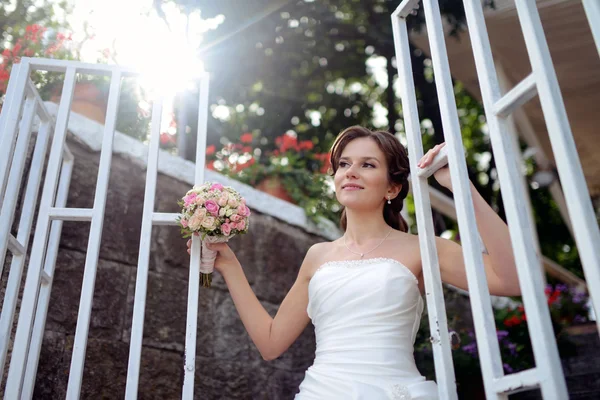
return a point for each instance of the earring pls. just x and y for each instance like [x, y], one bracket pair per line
[389, 201]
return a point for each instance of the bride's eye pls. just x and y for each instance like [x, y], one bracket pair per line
[368, 165]
[343, 164]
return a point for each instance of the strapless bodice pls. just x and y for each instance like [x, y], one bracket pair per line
[366, 315]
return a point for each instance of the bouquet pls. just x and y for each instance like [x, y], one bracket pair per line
[216, 213]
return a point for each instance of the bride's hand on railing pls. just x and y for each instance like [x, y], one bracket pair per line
[442, 175]
[226, 259]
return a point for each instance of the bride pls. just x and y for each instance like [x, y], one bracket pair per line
[363, 292]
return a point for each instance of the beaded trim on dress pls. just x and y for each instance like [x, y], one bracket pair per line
[363, 262]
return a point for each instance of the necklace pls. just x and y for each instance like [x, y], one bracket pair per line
[363, 254]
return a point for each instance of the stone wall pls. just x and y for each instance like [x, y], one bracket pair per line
[228, 364]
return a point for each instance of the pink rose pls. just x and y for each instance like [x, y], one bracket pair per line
[209, 223]
[241, 225]
[235, 218]
[233, 203]
[243, 210]
[199, 200]
[200, 213]
[189, 199]
[212, 207]
[184, 222]
[195, 222]
[216, 186]
[226, 229]
[223, 199]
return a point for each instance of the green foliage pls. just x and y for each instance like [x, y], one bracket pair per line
[294, 164]
[306, 66]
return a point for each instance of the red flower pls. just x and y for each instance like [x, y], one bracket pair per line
[306, 145]
[286, 143]
[247, 149]
[246, 164]
[512, 321]
[246, 138]
[17, 48]
[553, 297]
[210, 150]
[211, 165]
[165, 138]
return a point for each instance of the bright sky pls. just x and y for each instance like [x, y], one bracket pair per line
[165, 54]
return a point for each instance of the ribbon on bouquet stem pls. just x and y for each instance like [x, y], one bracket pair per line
[208, 257]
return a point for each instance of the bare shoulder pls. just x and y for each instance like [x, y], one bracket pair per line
[405, 247]
[317, 254]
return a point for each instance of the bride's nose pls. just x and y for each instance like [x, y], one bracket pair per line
[351, 172]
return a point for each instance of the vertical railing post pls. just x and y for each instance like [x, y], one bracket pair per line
[16, 267]
[34, 271]
[9, 202]
[592, 10]
[93, 250]
[444, 368]
[141, 282]
[518, 213]
[489, 350]
[194, 280]
[9, 118]
[43, 301]
[579, 204]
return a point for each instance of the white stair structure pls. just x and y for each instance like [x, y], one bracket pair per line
[22, 105]
[548, 374]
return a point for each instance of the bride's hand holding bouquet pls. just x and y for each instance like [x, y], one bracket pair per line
[216, 213]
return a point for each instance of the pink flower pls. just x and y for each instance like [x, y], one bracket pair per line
[216, 186]
[223, 199]
[241, 225]
[243, 210]
[189, 199]
[212, 207]
[233, 203]
[235, 217]
[184, 222]
[226, 229]
[195, 222]
[209, 223]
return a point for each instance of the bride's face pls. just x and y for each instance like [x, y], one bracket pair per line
[361, 180]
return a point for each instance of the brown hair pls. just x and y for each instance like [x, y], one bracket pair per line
[398, 169]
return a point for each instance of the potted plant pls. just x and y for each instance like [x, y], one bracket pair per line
[292, 171]
[568, 310]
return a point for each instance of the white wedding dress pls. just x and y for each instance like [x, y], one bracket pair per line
[366, 315]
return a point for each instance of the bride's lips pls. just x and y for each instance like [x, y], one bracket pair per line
[352, 186]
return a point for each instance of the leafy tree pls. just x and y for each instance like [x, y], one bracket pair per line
[16, 15]
[302, 65]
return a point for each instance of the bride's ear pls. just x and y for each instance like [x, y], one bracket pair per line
[394, 190]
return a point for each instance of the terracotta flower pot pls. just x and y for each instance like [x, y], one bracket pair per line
[274, 187]
[88, 101]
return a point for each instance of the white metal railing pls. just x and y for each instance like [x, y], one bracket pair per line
[22, 104]
[548, 374]
[436, 310]
[150, 218]
[15, 148]
[592, 10]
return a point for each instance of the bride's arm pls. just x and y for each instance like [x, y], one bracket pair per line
[272, 336]
[499, 262]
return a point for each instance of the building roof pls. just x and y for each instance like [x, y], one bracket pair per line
[577, 65]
